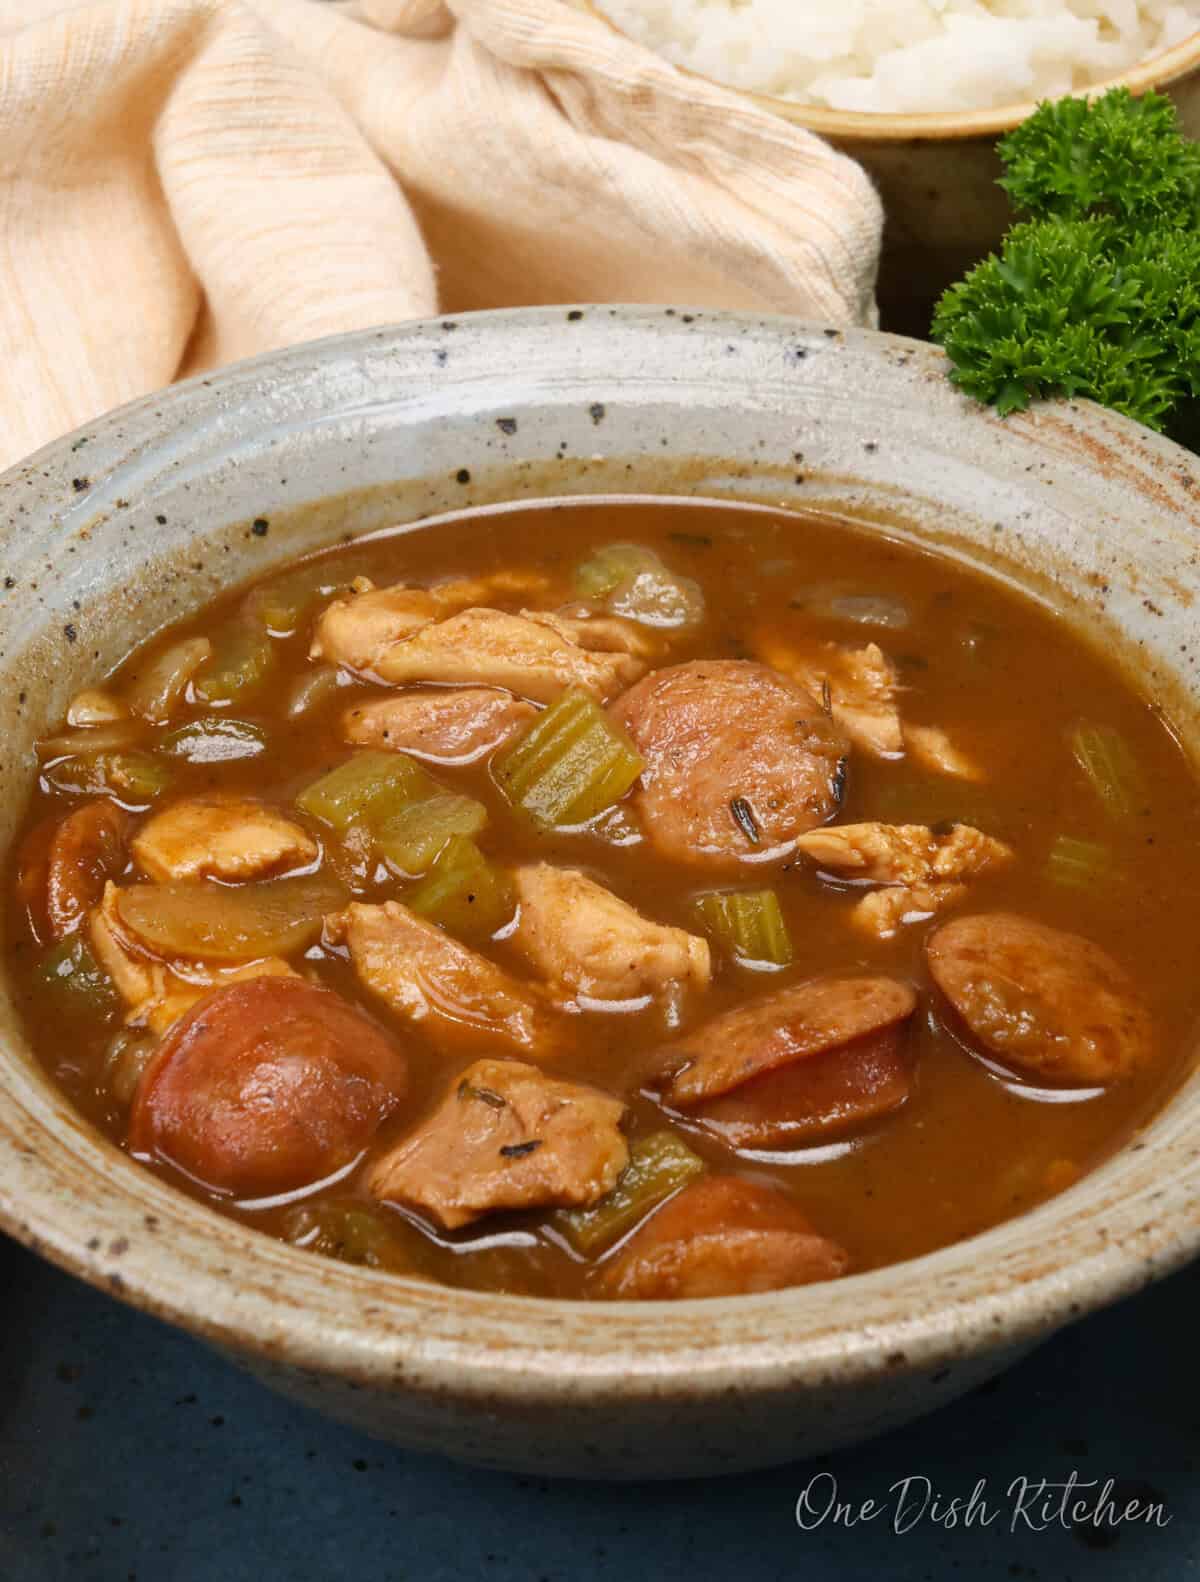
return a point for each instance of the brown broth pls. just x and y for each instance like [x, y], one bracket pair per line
[1005, 676]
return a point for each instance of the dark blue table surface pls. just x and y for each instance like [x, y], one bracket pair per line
[129, 1453]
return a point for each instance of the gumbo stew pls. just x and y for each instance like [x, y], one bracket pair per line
[614, 899]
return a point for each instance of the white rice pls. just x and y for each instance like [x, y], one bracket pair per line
[907, 55]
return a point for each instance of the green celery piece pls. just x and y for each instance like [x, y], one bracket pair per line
[214, 739]
[70, 974]
[612, 565]
[463, 892]
[748, 923]
[1113, 772]
[635, 583]
[134, 777]
[568, 764]
[353, 1233]
[281, 604]
[658, 1166]
[1079, 864]
[411, 839]
[367, 789]
[243, 656]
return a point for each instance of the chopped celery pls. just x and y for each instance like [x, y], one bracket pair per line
[135, 778]
[658, 1166]
[79, 985]
[353, 1233]
[1104, 756]
[609, 567]
[367, 789]
[242, 658]
[281, 605]
[463, 892]
[411, 839]
[634, 582]
[1079, 864]
[569, 764]
[749, 923]
[215, 739]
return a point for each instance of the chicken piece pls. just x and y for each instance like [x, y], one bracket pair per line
[794, 1024]
[721, 1236]
[441, 725]
[860, 684]
[739, 762]
[358, 630]
[220, 837]
[457, 998]
[588, 941]
[882, 913]
[506, 1136]
[929, 746]
[495, 649]
[157, 996]
[601, 634]
[1051, 1005]
[926, 869]
[903, 853]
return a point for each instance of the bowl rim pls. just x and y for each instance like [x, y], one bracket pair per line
[1157, 71]
[251, 1294]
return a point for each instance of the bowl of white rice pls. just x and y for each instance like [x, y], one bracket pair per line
[919, 90]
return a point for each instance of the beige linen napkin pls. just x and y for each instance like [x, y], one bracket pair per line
[186, 182]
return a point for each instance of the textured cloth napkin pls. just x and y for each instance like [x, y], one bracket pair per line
[186, 182]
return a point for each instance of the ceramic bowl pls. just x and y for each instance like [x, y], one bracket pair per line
[146, 513]
[936, 173]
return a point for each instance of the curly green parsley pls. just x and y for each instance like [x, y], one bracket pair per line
[1097, 293]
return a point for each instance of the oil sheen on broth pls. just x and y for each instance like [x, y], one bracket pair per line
[383, 1004]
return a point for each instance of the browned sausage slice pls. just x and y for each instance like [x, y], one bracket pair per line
[740, 761]
[721, 1236]
[266, 1086]
[1050, 1004]
[806, 1020]
[86, 850]
[822, 1097]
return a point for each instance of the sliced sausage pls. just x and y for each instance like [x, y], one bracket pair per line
[444, 725]
[796, 1024]
[721, 1236]
[818, 1098]
[1049, 1004]
[266, 1086]
[86, 850]
[740, 761]
[506, 1136]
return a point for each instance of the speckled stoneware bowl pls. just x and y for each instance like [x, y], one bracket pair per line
[936, 172]
[143, 515]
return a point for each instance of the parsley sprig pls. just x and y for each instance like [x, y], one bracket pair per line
[1097, 293]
